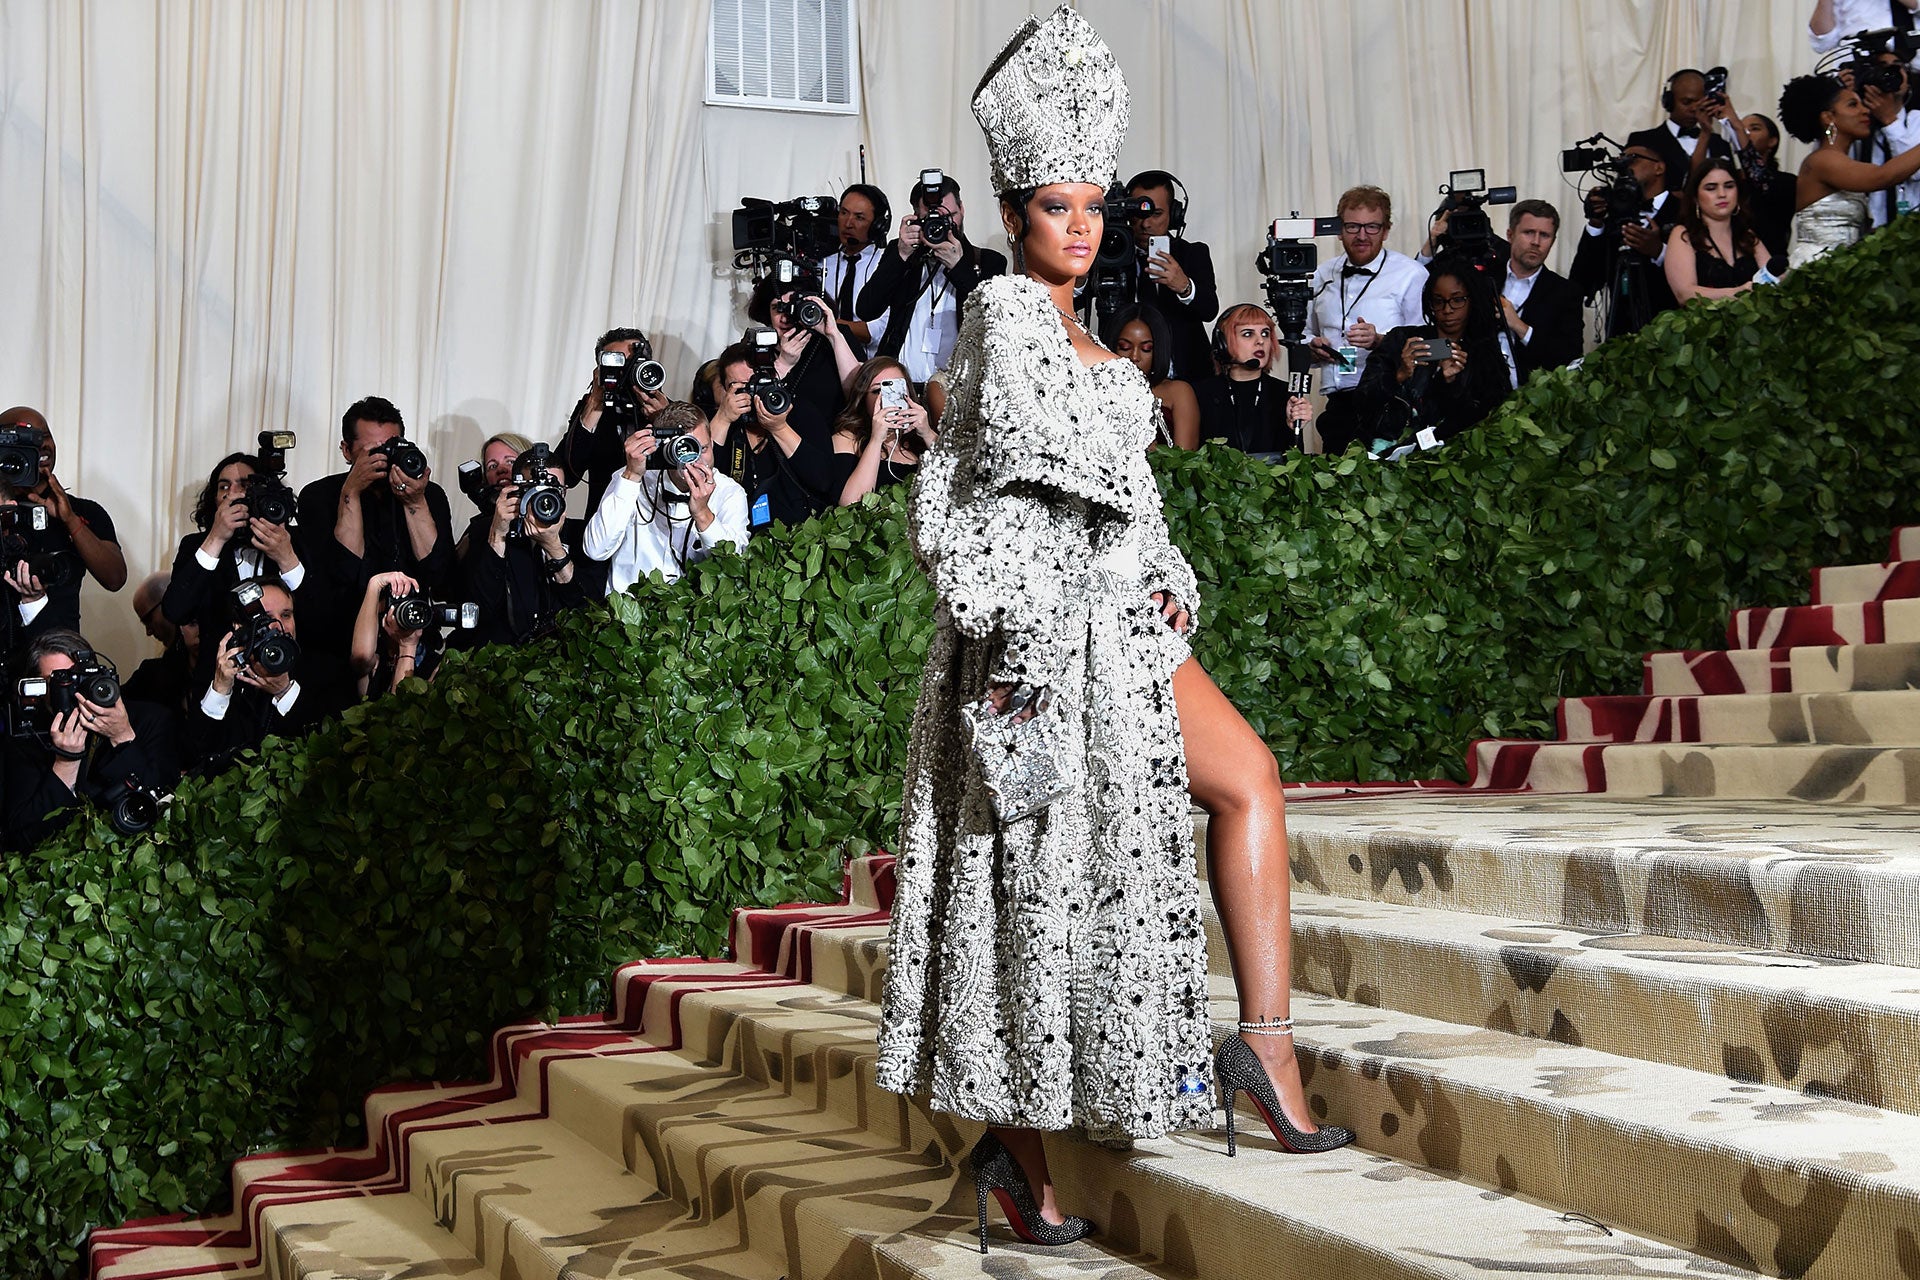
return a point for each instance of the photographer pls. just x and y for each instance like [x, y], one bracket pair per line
[1429, 382]
[862, 222]
[884, 429]
[1886, 91]
[231, 546]
[1177, 281]
[1541, 308]
[78, 536]
[660, 519]
[1242, 406]
[385, 651]
[788, 476]
[248, 701]
[922, 284]
[815, 361]
[1676, 141]
[1834, 20]
[167, 678]
[82, 753]
[384, 515]
[1357, 296]
[591, 448]
[1621, 253]
[521, 571]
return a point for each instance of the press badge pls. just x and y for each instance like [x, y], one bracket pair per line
[762, 513]
[1349, 359]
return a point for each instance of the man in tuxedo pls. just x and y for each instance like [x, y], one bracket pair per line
[1675, 140]
[1180, 282]
[243, 706]
[920, 285]
[1540, 307]
[1625, 261]
[1358, 297]
[865, 216]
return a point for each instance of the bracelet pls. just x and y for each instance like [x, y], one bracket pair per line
[555, 566]
[69, 755]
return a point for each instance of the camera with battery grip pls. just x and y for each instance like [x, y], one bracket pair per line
[543, 497]
[805, 305]
[763, 382]
[266, 495]
[41, 700]
[620, 380]
[266, 648]
[418, 611]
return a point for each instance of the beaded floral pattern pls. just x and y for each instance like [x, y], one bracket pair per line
[1050, 972]
[1053, 105]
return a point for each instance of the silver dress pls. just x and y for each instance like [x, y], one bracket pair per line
[1834, 221]
[1050, 972]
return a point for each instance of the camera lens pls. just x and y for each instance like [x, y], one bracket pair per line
[102, 689]
[135, 812]
[543, 504]
[772, 395]
[649, 375]
[412, 613]
[680, 451]
[274, 652]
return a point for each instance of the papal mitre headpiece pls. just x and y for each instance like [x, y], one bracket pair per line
[1053, 105]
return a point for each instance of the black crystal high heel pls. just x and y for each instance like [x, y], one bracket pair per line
[995, 1170]
[1239, 1068]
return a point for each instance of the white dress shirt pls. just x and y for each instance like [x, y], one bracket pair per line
[1517, 290]
[1850, 17]
[1894, 138]
[1688, 145]
[647, 524]
[933, 328]
[864, 262]
[1387, 300]
[251, 565]
[215, 703]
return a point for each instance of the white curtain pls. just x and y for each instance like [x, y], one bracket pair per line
[218, 216]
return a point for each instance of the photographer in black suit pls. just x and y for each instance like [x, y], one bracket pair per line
[244, 703]
[1622, 256]
[1180, 281]
[1540, 307]
[1676, 139]
[921, 285]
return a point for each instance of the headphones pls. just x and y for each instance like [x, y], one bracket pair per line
[1666, 94]
[1177, 215]
[1220, 356]
[882, 210]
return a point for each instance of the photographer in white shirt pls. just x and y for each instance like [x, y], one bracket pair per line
[665, 518]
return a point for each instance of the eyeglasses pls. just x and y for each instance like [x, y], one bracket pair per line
[1363, 228]
[1448, 304]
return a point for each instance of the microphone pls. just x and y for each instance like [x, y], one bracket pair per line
[1771, 272]
[1243, 364]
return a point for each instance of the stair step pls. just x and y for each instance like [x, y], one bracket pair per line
[1754, 1016]
[1853, 583]
[1865, 718]
[1905, 543]
[1834, 882]
[1811, 669]
[1759, 771]
[1795, 626]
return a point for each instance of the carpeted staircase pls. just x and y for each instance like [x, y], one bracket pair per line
[1639, 1031]
[1810, 702]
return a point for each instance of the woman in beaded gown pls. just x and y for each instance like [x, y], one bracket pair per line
[1049, 972]
[1831, 195]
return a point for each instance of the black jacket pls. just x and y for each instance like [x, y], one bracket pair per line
[38, 803]
[897, 283]
[325, 690]
[62, 609]
[518, 600]
[1553, 311]
[1192, 349]
[1249, 415]
[1660, 140]
[201, 595]
[344, 576]
[1396, 411]
[1637, 284]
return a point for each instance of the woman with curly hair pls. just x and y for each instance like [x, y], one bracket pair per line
[1712, 252]
[1831, 198]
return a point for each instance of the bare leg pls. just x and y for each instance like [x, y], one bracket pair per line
[1031, 1155]
[1234, 777]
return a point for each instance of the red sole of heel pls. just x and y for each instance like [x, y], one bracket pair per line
[1273, 1128]
[1014, 1220]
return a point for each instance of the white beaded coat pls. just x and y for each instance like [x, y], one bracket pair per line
[1050, 972]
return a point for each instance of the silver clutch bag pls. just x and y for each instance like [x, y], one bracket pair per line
[1019, 756]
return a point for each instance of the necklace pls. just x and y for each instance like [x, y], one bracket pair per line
[1072, 319]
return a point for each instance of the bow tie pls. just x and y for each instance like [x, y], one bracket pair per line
[1692, 131]
[1349, 271]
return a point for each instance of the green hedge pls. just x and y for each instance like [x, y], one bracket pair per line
[368, 905]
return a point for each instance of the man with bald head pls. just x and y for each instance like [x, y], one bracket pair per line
[1682, 133]
[78, 539]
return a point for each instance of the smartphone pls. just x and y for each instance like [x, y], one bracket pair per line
[893, 393]
[1439, 351]
[1160, 244]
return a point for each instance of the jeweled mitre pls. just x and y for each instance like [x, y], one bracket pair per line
[1053, 105]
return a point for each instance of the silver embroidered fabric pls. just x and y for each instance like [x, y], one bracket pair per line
[1053, 105]
[1049, 972]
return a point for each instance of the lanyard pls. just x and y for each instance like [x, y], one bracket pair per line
[1346, 309]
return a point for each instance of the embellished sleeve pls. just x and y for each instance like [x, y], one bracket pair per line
[1164, 566]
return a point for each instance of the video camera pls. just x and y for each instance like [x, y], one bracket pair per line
[44, 699]
[1859, 56]
[619, 380]
[1288, 263]
[806, 228]
[22, 450]
[403, 455]
[763, 384]
[1115, 261]
[1602, 156]
[267, 496]
[268, 649]
[1465, 200]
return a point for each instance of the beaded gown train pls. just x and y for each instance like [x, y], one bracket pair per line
[1051, 972]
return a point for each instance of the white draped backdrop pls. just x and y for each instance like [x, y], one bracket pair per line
[222, 215]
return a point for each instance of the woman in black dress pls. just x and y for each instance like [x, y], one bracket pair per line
[1712, 252]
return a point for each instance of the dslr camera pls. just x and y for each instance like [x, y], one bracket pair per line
[22, 450]
[1113, 262]
[268, 649]
[418, 611]
[618, 381]
[763, 384]
[55, 569]
[403, 455]
[1465, 198]
[267, 496]
[805, 309]
[936, 225]
[43, 699]
[132, 807]
[543, 499]
[1862, 59]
